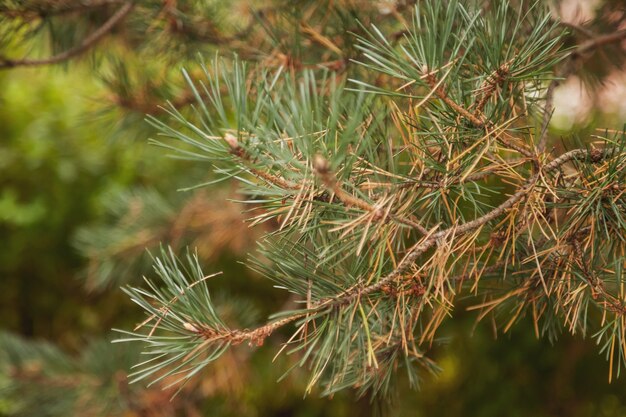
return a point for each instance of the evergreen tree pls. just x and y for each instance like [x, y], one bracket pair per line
[397, 165]
[382, 184]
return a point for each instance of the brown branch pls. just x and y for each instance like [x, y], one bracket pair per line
[486, 270]
[477, 176]
[86, 44]
[596, 284]
[411, 223]
[254, 337]
[547, 114]
[142, 102]
[41, 12]
[477, 120]
[519, 148]
[322, 169]
[206, 32]
[599, 41]
[577, 28]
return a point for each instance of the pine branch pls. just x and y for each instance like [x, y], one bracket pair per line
[51, 9]
[83, 47]
[490, 86]
[596, 285]
[377, 288]
[254, 337]
[257, 335]
[477, 119]
[434, 84]
[241, 153]
[322, 168]
[594, 156]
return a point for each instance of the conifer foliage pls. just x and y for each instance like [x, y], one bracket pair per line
[419, 177]
[394, 162]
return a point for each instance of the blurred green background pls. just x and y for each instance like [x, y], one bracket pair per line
[82, 193]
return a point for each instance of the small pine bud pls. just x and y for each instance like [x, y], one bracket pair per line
[232, 141]
[320, 164]
[191, 327]
[596, 155]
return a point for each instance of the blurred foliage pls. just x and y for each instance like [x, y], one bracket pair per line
[64, 180]
[77, 174]
[53, 169]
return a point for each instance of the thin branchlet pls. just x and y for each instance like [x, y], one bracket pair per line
[79, 49]
[239, 152]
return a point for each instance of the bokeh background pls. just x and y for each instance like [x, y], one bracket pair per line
[83, 194]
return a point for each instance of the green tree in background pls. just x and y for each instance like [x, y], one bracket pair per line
[394, 164]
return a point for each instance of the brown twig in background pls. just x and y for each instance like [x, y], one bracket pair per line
[547, 115]
[41, 12]
[144, 104]
[85, 45]
[599, 41]
[577, 28]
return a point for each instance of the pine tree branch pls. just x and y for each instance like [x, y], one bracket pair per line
[85, 45]
[596, 284]
[477, 119]
[241, 153]
[42, 12]
[547, 115]
[477, 176]
[490, 85]
[322, 168]
[431, 80]
[256, 336]
[373, 287]
[421, 247]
